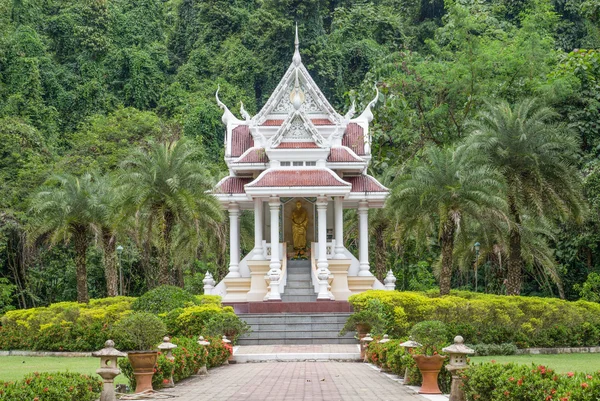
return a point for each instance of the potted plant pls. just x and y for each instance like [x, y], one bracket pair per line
[432, 335]
[140, 332]
[363, 322]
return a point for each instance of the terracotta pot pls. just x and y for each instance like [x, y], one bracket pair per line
[362, 330]
[430, 367]
[143, 363]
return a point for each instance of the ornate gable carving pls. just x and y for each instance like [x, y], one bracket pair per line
[297, 128]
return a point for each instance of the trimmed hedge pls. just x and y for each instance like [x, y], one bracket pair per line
[164, 299]
[189, 357]
[490, 319]
[511, 382]
[52, 387]
[70, 326]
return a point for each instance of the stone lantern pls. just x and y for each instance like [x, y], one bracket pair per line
[227, 341]
[203, 370]
[385, 339]
[390, 281]
[458, 363]
[108, 369]
[167, 347]
[409, 345]
[364, 344]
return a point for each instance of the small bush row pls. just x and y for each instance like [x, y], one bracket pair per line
[511, 382]
[488, 319]
[189, 358]
[70, 326]
[52, 387]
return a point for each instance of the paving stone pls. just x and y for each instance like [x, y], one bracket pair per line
[293, 381]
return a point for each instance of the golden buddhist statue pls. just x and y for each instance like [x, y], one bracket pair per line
[299, 225]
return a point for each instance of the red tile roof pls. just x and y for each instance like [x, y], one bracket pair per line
[297, 145]
[254, 155]
[241, 140]
[315, 121]
[271, 123]
[298, 178]
[354, 138]
[365, 183]
[232, 185]
[342, 155]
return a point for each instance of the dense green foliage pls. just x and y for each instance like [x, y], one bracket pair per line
[86, 85]
[164, 299]
[52, 387]
[493, 381]
[489, 319]
[71, 326]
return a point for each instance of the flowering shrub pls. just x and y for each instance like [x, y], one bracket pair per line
[189, 357]
[490, 319]
[511, 382]
[52, 387]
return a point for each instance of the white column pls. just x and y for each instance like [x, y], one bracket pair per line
[363, 227]
[275, 265]
[339, 227]
[234, 240]
[322, 264]
[258, 229]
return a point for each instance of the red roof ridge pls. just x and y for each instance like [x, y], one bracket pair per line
[343, 154]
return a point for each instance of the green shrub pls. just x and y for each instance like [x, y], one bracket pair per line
[494, 349]
[194, 320]
[228, 324]
[64, 326]
[163, 299]
[139, 331]
[491, 319]
[432, 334]
[52, 387]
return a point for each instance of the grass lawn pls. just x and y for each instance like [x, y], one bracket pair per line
[561, 363]
[16, 367]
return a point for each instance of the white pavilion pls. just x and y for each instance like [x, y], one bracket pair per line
[298, 152]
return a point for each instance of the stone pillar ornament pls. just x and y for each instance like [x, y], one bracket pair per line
[108, 369]
[203, 369]
[363, 238]
[458, 363]
[258, 229]
[209, 283]
[234, 240]
[322, 264]
[275, 265]
[226, 341]
[364, 344]
[167, 347]
[390, 281]
[339, 227]
[409, 345]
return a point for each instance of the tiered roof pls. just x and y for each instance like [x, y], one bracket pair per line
[298, 144]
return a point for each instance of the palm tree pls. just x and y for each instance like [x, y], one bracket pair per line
[170, 186]
[446, 188]
[107, 219]
[65, 209]
[537, 159]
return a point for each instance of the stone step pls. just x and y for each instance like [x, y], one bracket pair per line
[299, 298]
[279, 334]
[299, 291]
[298, 284]
[302, 308]
[296, 327]
[295, 318]
[299, 341]
[299, 277]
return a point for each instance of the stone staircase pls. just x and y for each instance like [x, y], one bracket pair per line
[296, 328]
[299, 287]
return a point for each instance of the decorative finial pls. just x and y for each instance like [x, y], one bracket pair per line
[297, 59]
[244, 113]
[367, 114]
[227, 115]
[351, 112]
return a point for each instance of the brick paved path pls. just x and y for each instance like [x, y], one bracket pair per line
[293, 381]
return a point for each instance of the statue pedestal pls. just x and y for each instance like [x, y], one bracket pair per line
[258, 285]
[339, 285]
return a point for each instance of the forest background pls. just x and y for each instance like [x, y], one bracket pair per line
[84, 84]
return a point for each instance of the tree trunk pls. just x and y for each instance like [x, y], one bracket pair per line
[447, 244]
[515, 261]
[380, 254]
[164, 259]
[110, 262]
[80, 239]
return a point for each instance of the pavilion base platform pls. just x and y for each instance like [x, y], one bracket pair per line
[290, 307]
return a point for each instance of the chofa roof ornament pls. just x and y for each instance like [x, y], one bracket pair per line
[297, 59]
[367, 114]
[227, 115]
[244, 113]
